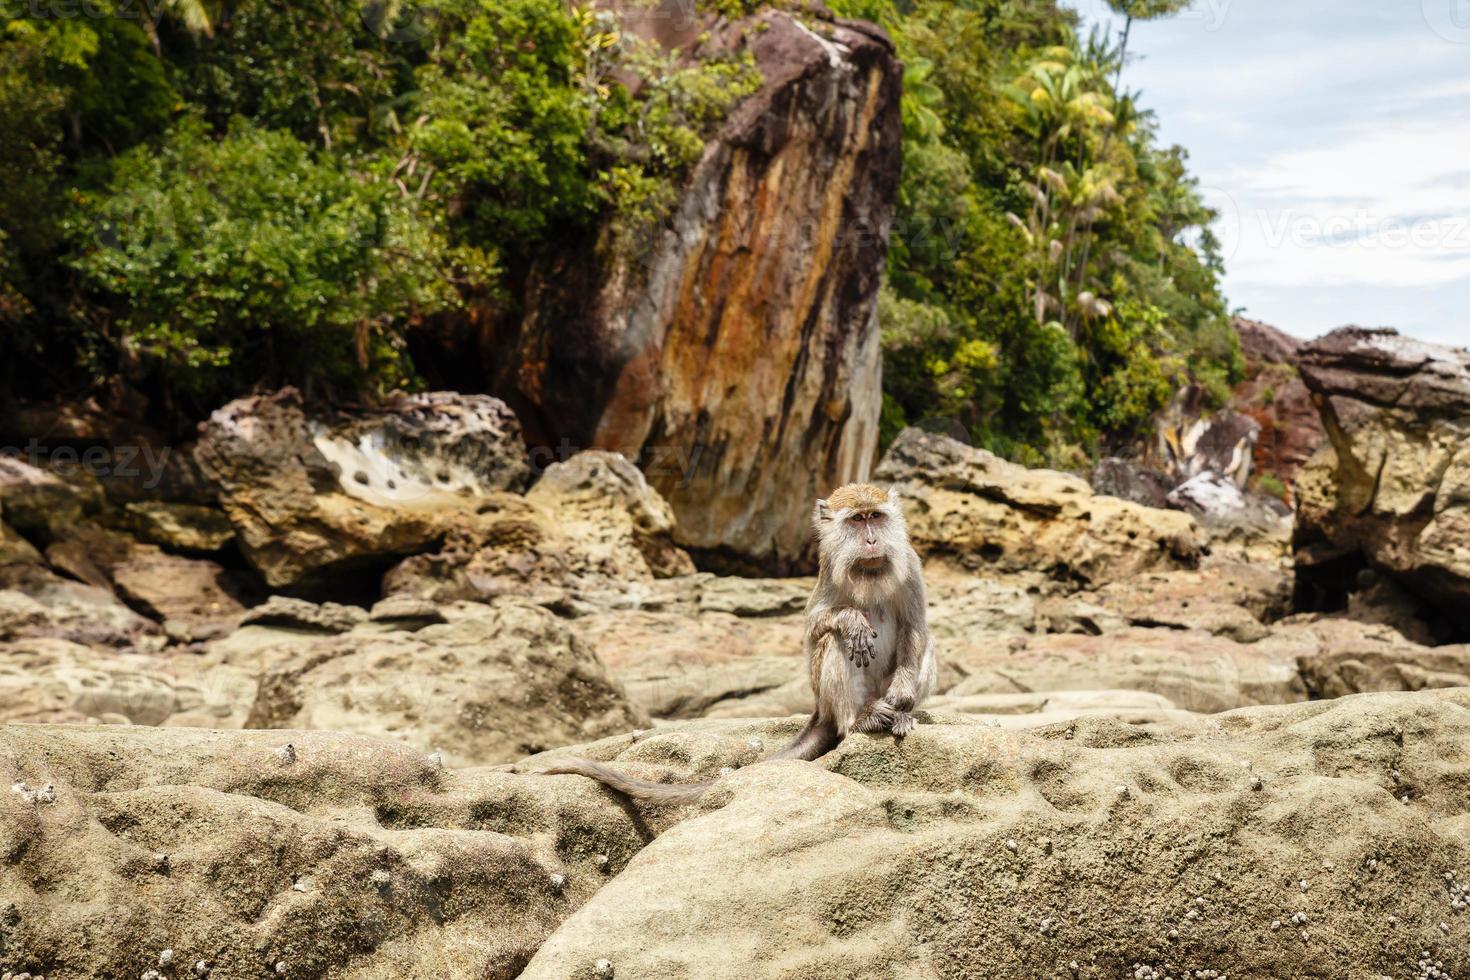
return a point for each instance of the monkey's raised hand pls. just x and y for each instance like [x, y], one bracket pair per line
[857, 636]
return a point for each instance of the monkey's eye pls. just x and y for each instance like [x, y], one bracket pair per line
[857, 518]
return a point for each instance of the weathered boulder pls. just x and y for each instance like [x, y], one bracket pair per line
[733, 351]
[602, 501]
[1192, 440]
[677, 666]
[342, 857]
[1320, 839]
[311, 496]
[1343, 657]
[38, 501]
[193, 598]
[1393, 487]
[975, 508]
[490, 687]
[1130, 479]
[1231, 599]
[35, 602]
[591, 532]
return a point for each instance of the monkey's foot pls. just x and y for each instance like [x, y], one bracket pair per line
[903, 723]
[878, 718]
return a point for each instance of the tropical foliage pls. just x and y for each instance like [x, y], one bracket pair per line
[1052, 276]
[243, 192]
[263, 192]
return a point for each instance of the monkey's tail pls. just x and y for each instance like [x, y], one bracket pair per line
[818, 738]
[639, 789]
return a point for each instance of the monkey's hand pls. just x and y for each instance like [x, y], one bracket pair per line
[857, 636]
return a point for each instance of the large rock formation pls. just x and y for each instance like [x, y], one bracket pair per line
[1392, 489]
[733, 352]
[973, 507]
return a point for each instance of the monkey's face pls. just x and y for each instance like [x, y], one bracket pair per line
[860, 530]
[870, 538]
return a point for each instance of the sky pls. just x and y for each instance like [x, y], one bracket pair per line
[1334, 138]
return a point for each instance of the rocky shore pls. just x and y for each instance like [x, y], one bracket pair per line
[255, 719]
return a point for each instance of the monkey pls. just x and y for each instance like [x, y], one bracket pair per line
[869, 653]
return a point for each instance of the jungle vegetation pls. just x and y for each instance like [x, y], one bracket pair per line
[203, 196]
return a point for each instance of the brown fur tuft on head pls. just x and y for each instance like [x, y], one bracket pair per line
[857, 496]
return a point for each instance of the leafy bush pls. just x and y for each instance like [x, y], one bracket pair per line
[250, 257]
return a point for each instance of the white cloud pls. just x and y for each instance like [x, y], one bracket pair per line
[1335, 137]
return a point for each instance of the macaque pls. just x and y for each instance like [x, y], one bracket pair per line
[868, 649]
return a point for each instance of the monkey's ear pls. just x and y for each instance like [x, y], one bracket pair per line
[821, 512]
[893, 496]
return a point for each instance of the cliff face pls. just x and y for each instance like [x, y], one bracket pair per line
[733, 352]
[1275, 397]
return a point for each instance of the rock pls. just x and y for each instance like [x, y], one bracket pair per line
[284, 612]
[1275, 397]
[16, 550]
[972, 507]
[1209, 495]
[1076, 614]
[1039, 708]
[754, 597]
[590, 533]
[489, 688]
[733, 350]
[1130, 480]
[604, 502]
[313, 496]
[1351, 659]
[193, 841]
[1196, 671]
[35, 500]
[429, 444]
[55, 681]
[683, 664]
[180, 526]
[963, 606]
[1234, 600]
[37, 603]
[193, 598]
[886, 855]
[406, 613]
[1192, 440]
[1392, 489]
